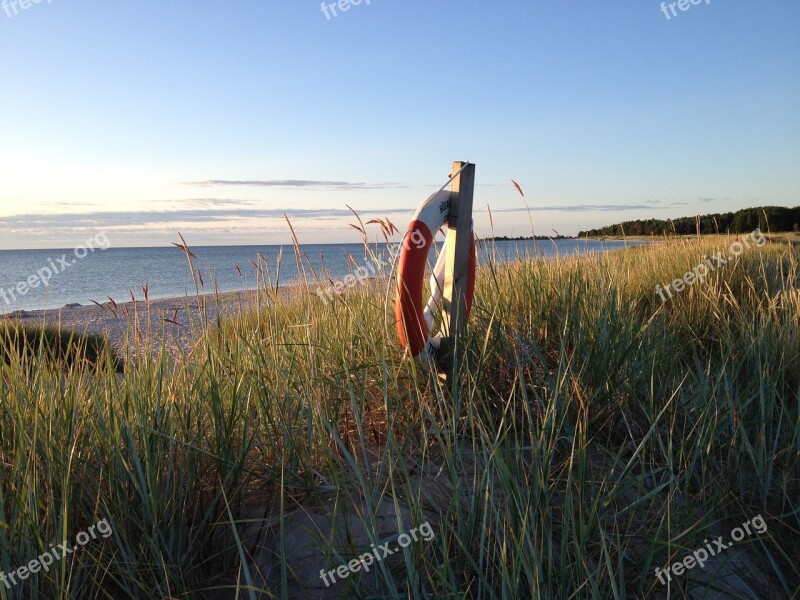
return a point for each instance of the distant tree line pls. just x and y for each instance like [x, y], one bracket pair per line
[772, 218]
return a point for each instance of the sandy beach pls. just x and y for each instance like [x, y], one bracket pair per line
[176, 321]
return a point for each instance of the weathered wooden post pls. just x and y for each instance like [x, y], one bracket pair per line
[457, 267]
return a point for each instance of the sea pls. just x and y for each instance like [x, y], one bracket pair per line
[51, 279]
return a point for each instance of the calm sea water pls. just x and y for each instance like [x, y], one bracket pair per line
[115, 272]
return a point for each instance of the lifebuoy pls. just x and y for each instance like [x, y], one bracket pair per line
[415, 320]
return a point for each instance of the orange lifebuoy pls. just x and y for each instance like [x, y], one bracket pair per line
[415, 320]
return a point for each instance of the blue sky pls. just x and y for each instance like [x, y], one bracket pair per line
[214, 119]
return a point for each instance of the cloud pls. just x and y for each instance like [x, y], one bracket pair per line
[219, 218]
[294, 183]
[218, 210]
[702, 199]
[579, 208]
[208, 202]
[144, 218]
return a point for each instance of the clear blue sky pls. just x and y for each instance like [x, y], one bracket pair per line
[144, 118]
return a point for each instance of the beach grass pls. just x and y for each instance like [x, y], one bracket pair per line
[26, 345]
[596, 433]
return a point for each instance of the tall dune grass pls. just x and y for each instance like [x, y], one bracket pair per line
[596, 434]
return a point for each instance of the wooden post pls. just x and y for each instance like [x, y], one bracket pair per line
[459, 242]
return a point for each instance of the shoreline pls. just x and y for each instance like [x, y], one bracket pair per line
[165, 319]
[175, 321]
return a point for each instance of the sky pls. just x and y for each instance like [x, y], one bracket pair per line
[144, 119]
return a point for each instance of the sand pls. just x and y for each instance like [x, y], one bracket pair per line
[178, 322]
